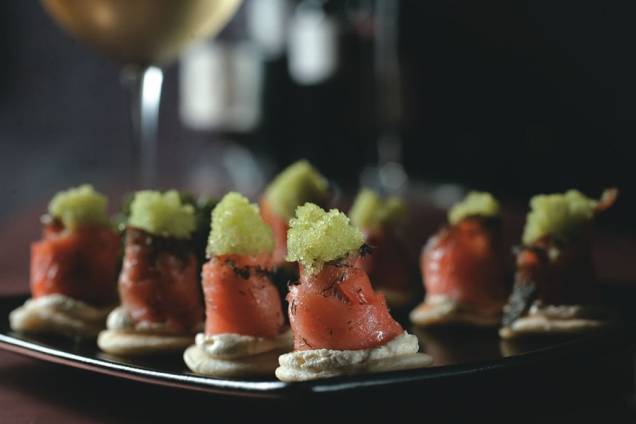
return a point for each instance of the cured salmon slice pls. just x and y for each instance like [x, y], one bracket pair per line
[337, 308]
[567, 280]
[465, 262]
[240, 297]
[279, 226]
[158, 282]
[389, 265]
[81, 263]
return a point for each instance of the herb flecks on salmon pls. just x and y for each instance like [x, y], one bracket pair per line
[334, 305]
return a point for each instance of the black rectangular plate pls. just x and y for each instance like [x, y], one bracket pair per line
[464, 358]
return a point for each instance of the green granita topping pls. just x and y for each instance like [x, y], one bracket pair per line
[316, 236]
[162, 214]
[560, 215]
[297, 184]
[370, 211]
[237, 228]
[78, 206]
[476, 203]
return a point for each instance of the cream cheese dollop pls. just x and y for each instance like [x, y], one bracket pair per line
[120, 320]
[230, 345]
[399, 353]
[58, 313]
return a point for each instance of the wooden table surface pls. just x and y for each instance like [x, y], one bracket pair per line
[32, 391]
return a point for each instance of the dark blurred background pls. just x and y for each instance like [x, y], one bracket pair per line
[513, 97]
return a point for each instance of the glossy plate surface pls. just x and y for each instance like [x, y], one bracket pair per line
[464, 356]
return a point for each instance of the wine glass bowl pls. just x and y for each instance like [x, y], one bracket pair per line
[141, 32]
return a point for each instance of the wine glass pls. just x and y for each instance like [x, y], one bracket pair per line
[142, 35]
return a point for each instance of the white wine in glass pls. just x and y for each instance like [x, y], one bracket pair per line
[141, 35]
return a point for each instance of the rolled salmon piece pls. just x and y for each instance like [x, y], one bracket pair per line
[245, 329]
[555, 288]
[387, 260]
[339, 323]
[336, 308]
[73, 272]
[463, 267]
[161, 304]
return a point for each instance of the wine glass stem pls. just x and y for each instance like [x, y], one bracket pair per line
[392, 174]
[144, 90]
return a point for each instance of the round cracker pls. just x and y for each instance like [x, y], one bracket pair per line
[262, 364]
[394, 363]
[128, 343]
[429, 314]
[33, 317]
[543, 325]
